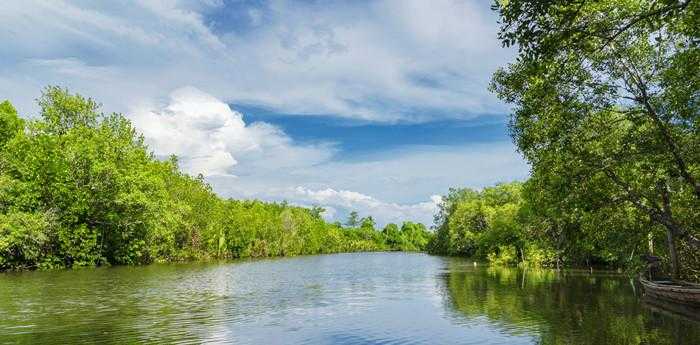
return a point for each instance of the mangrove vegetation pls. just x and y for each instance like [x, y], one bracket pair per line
[605, 98]
[78, 187]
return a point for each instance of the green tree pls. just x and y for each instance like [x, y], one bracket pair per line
[605, 93]
[10, 123]
[353, 220]
[62, 111]
[317, 211]
[485, 224]
[24, 238]
[368, 223]
[416, 236]
[394, 238]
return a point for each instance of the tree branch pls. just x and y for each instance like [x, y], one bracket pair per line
[644, 99]
[635, 21]
[662, 217]
[673, 147]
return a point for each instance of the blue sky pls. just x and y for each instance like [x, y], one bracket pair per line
[375, 106]
[357, 138]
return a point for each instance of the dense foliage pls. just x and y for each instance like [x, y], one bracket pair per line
[513, 224]
[605, 109]
[481, 224]
[80, 188]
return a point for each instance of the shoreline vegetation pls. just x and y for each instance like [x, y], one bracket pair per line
[604, 98]
[503, 225]
[80, 188]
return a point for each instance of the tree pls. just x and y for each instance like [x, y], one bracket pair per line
[482, 224]
[393, 236]
[443, 241]
[368, 223]
[62, 111]
[317, 211]
[415, 235]
[606, 93]
[353, 220]
[10, 123]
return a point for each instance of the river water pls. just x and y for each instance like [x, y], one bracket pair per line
[363, 298]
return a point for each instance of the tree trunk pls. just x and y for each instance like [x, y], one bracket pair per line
[662, 216]
[673, 255]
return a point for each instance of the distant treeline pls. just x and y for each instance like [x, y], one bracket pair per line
[80, 188]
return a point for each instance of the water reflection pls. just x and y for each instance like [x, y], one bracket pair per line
[378, 298]
[568, 307]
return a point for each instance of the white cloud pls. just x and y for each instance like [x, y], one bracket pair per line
[392, 186]
[260, 161]
[365, 205]
[210, 138]
[383, 61]
[407, 176]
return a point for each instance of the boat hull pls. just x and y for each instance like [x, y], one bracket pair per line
[686, 294]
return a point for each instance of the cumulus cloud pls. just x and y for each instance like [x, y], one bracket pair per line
[390, 186]
[406, 176]
[210, 138]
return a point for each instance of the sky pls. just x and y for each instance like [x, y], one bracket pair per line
[374, 106]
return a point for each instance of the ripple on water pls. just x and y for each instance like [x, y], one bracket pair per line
[370, 298]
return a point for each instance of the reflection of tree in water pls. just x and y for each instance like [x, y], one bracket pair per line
[123, 305]
[560, 308]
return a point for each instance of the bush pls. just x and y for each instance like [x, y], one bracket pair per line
[503, 255]
[25, 240]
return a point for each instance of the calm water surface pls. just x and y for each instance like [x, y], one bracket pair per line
[367, 298]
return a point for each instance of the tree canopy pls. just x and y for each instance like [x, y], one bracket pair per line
[605, 109]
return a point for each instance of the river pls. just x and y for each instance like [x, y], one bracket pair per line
[363, 298]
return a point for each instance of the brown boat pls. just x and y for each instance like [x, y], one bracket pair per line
[674, 291]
